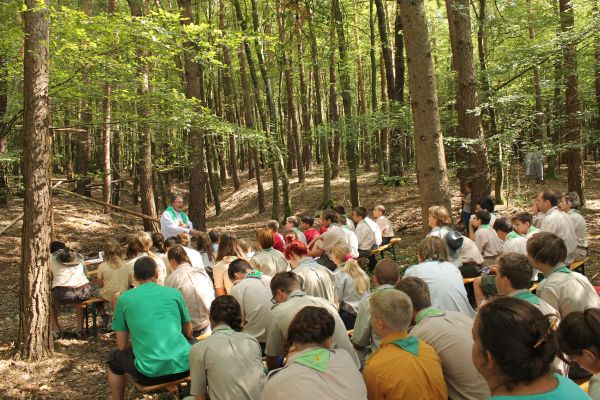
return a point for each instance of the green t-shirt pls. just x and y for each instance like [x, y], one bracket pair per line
[153, 315]
[566, 389]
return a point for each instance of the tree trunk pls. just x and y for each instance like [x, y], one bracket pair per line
[34, 340]
[596, 17]
[304, 99]
[116, 161]
[538, 128]
[362, 101]
[576, 182]
[469, 121]
[378, 148]
[334, 111]
[432, 175]
[4, 128]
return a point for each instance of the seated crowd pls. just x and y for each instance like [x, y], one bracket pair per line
[301, 302]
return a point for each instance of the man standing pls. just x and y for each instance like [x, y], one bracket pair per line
[174, 221]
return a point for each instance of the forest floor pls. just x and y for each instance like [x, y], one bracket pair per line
[78, 369]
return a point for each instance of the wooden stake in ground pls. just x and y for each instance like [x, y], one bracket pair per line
[34, 340]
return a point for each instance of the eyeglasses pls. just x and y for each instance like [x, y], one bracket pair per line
[273, 300]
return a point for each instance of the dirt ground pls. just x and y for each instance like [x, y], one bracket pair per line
[78, 369]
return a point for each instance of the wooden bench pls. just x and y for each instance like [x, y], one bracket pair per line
[173, 387]
[89, 309]
[350, 332]
[579, 266]
[203, 336]
[386, 247]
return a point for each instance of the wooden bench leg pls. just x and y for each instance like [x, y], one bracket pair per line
[94, 313]
[85, 316]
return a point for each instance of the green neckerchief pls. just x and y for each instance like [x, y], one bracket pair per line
[532, 229]
[428, 312]
[485, 226]
[528, 296]
[254, 274]
[512, 235]
[173, 214]
[316, 359]
[562, 268]
[226, 329]
[410, 344]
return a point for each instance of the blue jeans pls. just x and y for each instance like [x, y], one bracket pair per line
[466, 217]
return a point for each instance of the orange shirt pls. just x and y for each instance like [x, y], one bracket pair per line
[393, 373]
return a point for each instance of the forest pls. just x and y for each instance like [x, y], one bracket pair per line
[125, 101]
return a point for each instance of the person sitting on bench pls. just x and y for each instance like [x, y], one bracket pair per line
[113, 276]
[384, 224]
[158, 323]
[267, 259]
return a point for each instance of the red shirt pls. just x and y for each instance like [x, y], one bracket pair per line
[278, 242]
[310, 234]
[322, 230]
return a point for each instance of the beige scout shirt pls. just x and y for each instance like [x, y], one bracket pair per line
[488, 242]
[450, 335]
[567, 292]
[296, 381]
[197, 291]
[544, 307]
[254, 295]
[365, 235]
[269, 262]
[227, 365]
[385, 226]
[469, 253]
[316, 280]
[580, 233]
[347, 295]
[220, 276]
[281, 316]
[516, 245]
[115, 279]
[334, 235]
[561, 225]
[162, 269]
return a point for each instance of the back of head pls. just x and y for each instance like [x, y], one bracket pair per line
[112, 250]
[144, 268]
[343, 252]
[551, 196]
[330, 215]
[433, 248]
[380, 208]
[441, 215]
[214, 235]
[264, 238]
[56, 246]
[158, 241]
[516, 268]
[487, 204]
[178, 254]
[339, 209]
[238, 266]
[286, 281]
[203, 245]
[361, 212]
[386, 271]
[228, 246]
[520, 339]
[184, 239]
[578, 331]
[547, 248]
[392, 306]
[484, 216]
[226, 310]
[573, 199]
[244, 246]
[417, 290]
[502, 225]
[295, 221]
[311, 325]
[295, 248]
[169, 242]
[308, 220]
[273, 225]
[141, 242]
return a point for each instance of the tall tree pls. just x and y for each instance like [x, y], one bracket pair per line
[572, 128]
[106, 140]
[596, 16]
[538, 131]
[34, 340]
[469, 120]
[432, 175]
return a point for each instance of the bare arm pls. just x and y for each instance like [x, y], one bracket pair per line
[220, 291]
[187, 330]
[123, 340]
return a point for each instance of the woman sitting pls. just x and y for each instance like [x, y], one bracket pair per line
[228, 363]
[267, 259]
[579, 340]
[513, 349]
[312, 369]
[440, 223]
[113, 276]
[315, 279]
[228, 251]
[204, 247]
[139, 246]
[69, 283]
[351, 283]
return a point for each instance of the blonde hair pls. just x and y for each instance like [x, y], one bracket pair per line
[112, 253]
[184, 239]
[392, 306]
[441, 215]
[141, 242]
[343, 252]
[433, 248]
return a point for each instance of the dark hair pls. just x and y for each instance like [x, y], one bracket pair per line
[293, 220]
[238, 265]
[519, 337]
[226, 309]
[516, 268]
[502, 225]
[387, 272]
[56, 245]
[551, 196]
[144, 268]
[339, 209]
[310, 325]
[273, 225]
[469, 184]
[524, 217]
[484, 216]
[214, 235]
[175, 197]
[487, 204]
[547, 248]
[158, 241]
[329, 215]
[417, 290]
[308, 220]
[296, 248]
[361, 212]
[203, 244]
[177, 253]
[228, 246]
[67, 255]
[580, 330]
[286, 281]
[170, 242]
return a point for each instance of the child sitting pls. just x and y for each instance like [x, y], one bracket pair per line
[487, 241]
[113, 276]
[384, 224]
[306, 224]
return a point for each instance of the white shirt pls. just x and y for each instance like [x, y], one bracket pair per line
[385, 226]
[580, 228]
[445, 284]
[170, 227]
[161, 266]
[469, 252]
[373, 225]
[559, 223]
[365, 235]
